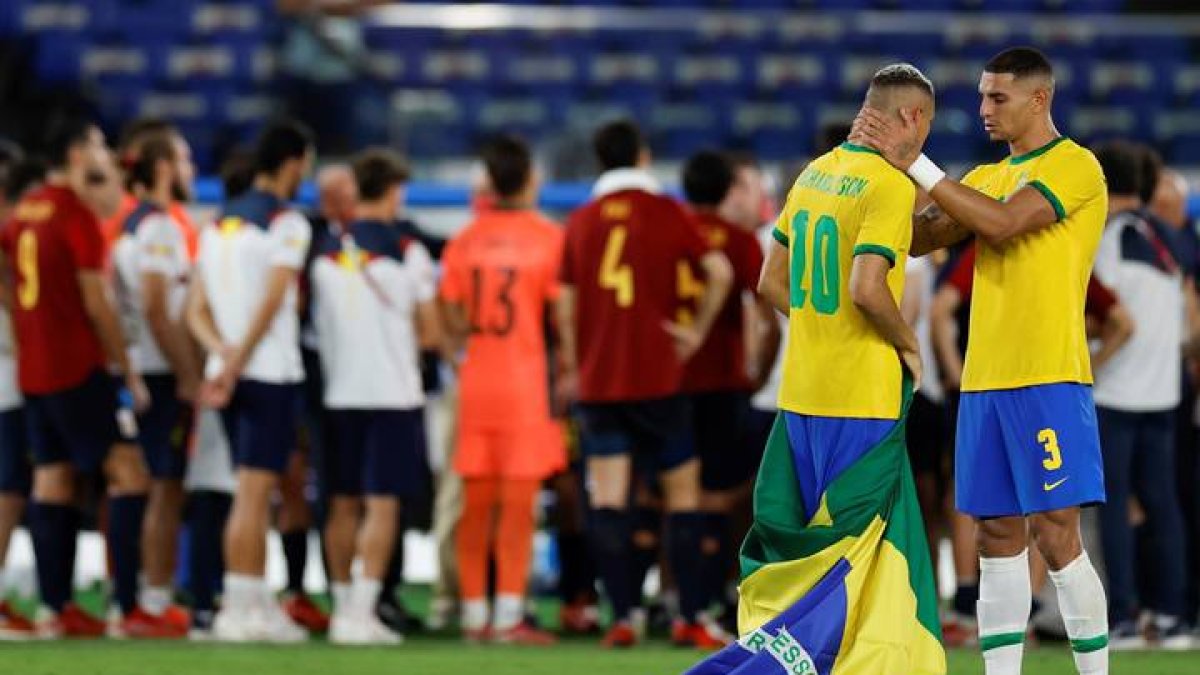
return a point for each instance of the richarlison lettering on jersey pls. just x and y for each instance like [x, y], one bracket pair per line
[830, 184]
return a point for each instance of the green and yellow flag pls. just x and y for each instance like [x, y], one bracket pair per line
[846, 590]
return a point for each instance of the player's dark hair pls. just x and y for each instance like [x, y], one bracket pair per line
[376, 170]
[1121, 162]
[618, 145]
[1020, 62]
[281, 141]
[707, 177]
[137, 130]
[901, 75]
[153, 149]
[509, 164]
[1152, 168]
[65, 133]
[237, 172]
[22, 176]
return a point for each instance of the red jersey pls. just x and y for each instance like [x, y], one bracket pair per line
[51, 238]
[504, 268]
[720, 364]
[626, 255]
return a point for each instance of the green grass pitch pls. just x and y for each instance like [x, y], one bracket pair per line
[446, 656]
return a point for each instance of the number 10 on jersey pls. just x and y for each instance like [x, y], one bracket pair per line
[826, 282]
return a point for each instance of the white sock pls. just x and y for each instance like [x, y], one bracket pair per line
[1005, 599]
[155, 599]
[341, 597]
[241, 592]
[474, 614]
[510, 611]
[1085, 613]
[363, 597]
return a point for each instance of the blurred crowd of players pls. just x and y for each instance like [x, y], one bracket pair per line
[274, 368]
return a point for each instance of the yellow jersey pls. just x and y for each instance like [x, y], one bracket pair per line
[1027, 325]
[847, 202]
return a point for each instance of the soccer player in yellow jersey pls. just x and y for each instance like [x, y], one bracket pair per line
[1028, 447]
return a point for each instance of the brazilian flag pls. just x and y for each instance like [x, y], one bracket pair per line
[847, 590]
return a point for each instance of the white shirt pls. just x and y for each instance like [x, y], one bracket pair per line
[10, 395]
[367, 285]
[1144, 375]
[921, 276]
[257, 235]
[152, 242]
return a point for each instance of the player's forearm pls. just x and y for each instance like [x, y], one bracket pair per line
[199, 318]
[770, 337]
[429, 327]
[277, 287]
[108, 328]
[718, 280]
[934, 230]
[880, 309]
[169, 336]
[564, 315]
[988, 218]
[1116, 331]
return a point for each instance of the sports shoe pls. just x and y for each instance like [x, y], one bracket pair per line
[619, 636]
[245, 626]
[442, 612]
[13, 625]
[524, 634]
[140, 624]
[701, 635]
[959, 630]
[202, 625]
[177, 616]
[304, 612]
[279, 627]
[579, 618]
[393, 615]
[1177, 636]
[369, 630]
[1125, 637]
[71, 622]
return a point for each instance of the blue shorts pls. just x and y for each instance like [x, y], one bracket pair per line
[1028, 450]
[657, 432]
[16, 469]
[164, 429]
[260, 423]
[378, 453]
[77, 425]
[824, 447]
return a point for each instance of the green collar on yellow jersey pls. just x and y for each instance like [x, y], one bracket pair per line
[851, 147]
[1036, 153]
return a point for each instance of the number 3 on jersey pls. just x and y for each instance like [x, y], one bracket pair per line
[826, 281]
[615, 275]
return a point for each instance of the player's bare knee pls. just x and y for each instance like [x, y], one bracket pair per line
[681, 487]
[1000, 537]
[54, 484]
[1057, 538]
[125, 469]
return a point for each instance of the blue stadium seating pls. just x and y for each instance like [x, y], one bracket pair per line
[763, 81]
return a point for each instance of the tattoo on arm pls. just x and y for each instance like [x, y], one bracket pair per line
[933, 229]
